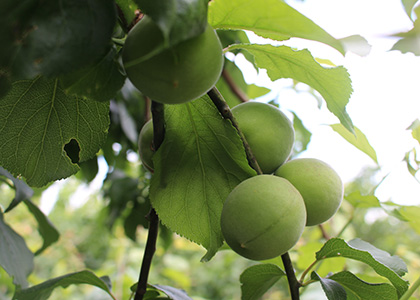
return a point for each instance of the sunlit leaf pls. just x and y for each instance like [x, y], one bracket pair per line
[44, 132]
[408, 7]
[275, 20]
[391, 267]
[258, 279]
[358, 289]
[357, 139]
[415, 129]
[333, 84]
[364, 201]
[199, 162]
[411, 214]
[409, 41]
[356, 44]
[15, 257]
[43, 290]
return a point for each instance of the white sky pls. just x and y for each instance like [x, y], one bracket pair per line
[385, 100]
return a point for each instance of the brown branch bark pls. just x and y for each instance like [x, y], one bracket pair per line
[234, 87]
[149, 251]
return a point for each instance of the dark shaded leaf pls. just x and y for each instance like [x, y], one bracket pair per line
[258, 279]
[332, 289]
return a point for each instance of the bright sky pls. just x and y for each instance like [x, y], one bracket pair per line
[385, 99]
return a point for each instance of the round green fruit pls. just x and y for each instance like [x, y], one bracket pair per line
[320, 186]
[263, 217]
[268, 131]
[178, 74]
[145, 143]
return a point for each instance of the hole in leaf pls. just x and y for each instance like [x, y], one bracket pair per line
[72, 150]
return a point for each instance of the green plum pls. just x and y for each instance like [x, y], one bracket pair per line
[268, 131]
[320, 186]
[263, 217]
[145, 143]
[177, 74]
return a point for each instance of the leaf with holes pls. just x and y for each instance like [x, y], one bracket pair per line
[38, 120]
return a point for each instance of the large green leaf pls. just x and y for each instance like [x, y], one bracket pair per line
[358, 289]
[258, 279]
[333, 84]
[15, 257]
[99, 82]
[274, 19]
[199, 162]
[38, 120]
[357, 139]
[391, 267]
[177, 19]
[64, 36]
[43, 290]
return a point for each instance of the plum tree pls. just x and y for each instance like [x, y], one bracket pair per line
[263, 217]
[320, 186]
[145, 144]
[177, 74]
[268, 131]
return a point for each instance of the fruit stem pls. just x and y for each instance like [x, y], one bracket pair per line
[224, 110]
[294, 284]
[149, 251]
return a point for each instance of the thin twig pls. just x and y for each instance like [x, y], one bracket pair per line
[234, 87]
[324, 232]
[224, 110]
[149, 251]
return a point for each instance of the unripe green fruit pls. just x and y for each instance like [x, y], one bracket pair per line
[179, 74]
[268, 131]
[320, 186]
[145, 143]
[263, 217]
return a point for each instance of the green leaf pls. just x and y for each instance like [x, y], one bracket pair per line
[411, 214]
[357, 139]
[415, 129]
[43, 290]
[171, 292]
[98, 82]
[409, 41]
[258, 279]
[333, 84]
[364, 201]
[408, 7]
[332, 289]
[37, 121]
[359, 289]
[275, 20]
[199, 162]
[22, 190]
[65, 36]
[45, 228]
[391, 267]
[15, 257]
[302, 135]
[179, 20]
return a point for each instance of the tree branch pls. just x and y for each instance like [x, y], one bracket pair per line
[234, 87]
[224, 110]
[149, 251]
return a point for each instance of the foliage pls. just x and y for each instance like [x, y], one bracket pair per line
[68, 111]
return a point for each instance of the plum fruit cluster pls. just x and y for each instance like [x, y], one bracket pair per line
[178, 74]
[264, 216]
